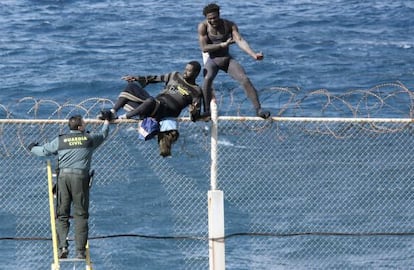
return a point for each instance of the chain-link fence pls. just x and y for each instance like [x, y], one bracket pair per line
[318, 194]
[300, 193]
[141, 203]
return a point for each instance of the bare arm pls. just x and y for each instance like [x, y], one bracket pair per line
[145, 80]
[242, 43]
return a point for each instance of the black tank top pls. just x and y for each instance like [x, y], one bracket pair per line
[178, 94]
[218, 38]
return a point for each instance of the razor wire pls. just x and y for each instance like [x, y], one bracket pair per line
[393, 100]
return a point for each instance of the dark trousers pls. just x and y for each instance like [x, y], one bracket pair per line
[73, 188]
[236, 71]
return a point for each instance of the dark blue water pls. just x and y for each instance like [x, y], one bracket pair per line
[69, 51]
[73, 50]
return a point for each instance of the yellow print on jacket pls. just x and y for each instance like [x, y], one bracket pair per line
[72, 141]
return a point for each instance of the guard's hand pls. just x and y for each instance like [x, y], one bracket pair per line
[33, 144]
[107, 115]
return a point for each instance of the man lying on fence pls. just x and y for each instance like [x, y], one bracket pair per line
[180, 91]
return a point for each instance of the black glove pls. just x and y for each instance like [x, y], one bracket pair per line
[33, 144]
[107, 115]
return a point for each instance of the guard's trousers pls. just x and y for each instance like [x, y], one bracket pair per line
[73, 188]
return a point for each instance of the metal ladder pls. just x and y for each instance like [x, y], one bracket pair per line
[56, 261]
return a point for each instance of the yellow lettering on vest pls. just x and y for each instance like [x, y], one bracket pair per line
[182, 91]
[75, 140]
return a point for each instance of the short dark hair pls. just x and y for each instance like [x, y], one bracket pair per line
[75, 122]
[213, 7]
[196, 65]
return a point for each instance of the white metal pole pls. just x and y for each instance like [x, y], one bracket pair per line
[215, 203]
[214, 139]
[216, 230]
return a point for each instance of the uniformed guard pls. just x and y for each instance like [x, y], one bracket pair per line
[74, 151]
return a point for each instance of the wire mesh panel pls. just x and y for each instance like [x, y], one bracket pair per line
[146, 211]
[317, 194]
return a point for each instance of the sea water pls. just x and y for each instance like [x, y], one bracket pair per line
[69, 51]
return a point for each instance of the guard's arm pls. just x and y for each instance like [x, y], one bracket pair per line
[105, 129]
[47, 149]
[99, 138]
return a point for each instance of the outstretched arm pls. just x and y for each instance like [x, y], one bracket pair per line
[145, 80]
[242, 43]
[47, 149]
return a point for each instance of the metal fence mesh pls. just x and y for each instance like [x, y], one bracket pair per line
[150, 199]
[299, 193]
[337, 199]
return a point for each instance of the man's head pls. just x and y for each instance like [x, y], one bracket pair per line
[210, 8]
[212, 14]
[76, 122]
[191, 71]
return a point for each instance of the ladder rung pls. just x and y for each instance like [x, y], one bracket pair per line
[72, 260]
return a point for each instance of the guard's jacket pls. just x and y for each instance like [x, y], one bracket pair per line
[74, 149]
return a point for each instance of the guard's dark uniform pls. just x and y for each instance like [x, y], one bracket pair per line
[74, 152]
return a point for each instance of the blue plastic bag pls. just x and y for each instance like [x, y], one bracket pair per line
[148, 128]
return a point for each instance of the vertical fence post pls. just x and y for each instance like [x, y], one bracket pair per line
[215, 203]
[214, 140]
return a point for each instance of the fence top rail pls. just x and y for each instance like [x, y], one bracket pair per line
[224, 118]
[319, 119]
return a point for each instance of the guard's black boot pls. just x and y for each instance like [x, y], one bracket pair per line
[81, 255]
[63, 253]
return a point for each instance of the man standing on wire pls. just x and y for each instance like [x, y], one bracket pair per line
[180, 91]
[74, 151]
[215, 36]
